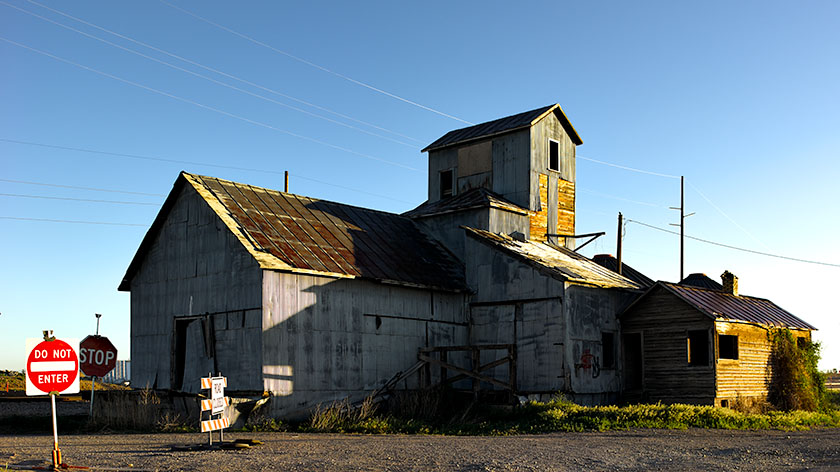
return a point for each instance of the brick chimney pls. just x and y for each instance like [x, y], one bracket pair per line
[730, 283]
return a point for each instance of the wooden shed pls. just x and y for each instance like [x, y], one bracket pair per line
[685, 344]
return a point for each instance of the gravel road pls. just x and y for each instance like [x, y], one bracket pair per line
[690, 450]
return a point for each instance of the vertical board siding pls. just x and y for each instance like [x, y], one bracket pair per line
[565, 207]
[320, 342]
[510, 167]
[664, 321]
[539, 217]
[589, 312]
[195, 266]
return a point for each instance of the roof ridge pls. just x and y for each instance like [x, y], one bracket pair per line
[297, 195]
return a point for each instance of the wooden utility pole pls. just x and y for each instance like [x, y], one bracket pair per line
[618, 240]
[683, 216]
[286, 187]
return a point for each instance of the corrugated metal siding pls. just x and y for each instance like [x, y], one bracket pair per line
[738, 308]
[320, 236]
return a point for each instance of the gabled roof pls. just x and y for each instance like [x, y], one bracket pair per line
[471, 199]
[292, 233]
[723, 306]
[504, 125]
[555, 261]
[700, 280]
[611, 263]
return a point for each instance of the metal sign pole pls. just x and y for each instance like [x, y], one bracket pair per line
[56, 454]
[92, 387]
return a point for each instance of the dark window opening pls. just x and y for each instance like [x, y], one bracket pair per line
[608, 348]
[554, 155]
[802, 343]
[698, 347]
[727, 346]
[446, 183]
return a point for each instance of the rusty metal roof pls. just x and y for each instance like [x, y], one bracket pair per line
[724, 306]
[504, 125]
[611, 263]
[555, 261]
[473, 198]
[701, 280]
[288, 232]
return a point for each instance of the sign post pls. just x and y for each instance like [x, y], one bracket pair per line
[97, 357]
[216, 405]
[52, 368]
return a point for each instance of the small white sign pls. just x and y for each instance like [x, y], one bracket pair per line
[217, 394]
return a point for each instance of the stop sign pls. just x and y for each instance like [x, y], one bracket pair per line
[52, 366]
[97, 356]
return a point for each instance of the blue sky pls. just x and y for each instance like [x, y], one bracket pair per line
[739, 97]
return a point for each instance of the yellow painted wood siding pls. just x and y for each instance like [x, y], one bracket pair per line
[748, 376]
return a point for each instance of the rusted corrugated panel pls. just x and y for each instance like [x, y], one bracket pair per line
[473, 198]
[701, 281]
[501, 125]
[611, 263]
[553, 260]
[331, 238]
[738, 307]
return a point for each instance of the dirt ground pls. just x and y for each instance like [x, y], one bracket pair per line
[691, 450]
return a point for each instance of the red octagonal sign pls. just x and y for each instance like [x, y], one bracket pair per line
[52, 366]
[97, 356]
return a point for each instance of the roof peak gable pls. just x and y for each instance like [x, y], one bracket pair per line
[504, 125]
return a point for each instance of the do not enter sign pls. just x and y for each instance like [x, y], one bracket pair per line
[97, 356]
[52, 366]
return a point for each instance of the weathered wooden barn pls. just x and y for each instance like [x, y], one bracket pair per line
[691, 344]
[314, 301]
[308, 300]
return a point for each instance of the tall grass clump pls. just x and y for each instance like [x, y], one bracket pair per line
[796, 382]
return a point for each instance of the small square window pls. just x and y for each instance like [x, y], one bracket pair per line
[727, 346]
[553, 155]
[446, 183]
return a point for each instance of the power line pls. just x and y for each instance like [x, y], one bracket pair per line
[178, 161]
[170, 54]
[70, 221]
[735, 247]
[632, 169]
[46, 197]
[210, 79]
[615, 197]
[75, 187]
[319, 67]
[207, 107]
[726, 216]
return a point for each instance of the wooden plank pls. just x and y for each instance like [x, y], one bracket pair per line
[468, 373]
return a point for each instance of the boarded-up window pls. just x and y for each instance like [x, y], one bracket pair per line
[553, 155]
[446, 183]
[608, 348]
[698, 347]
[727, 346]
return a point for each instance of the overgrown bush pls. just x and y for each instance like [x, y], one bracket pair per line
[796, 382]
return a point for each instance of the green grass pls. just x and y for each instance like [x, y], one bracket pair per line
[563, 416]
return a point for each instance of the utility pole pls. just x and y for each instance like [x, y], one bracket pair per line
[618, 240]
[683, 216]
